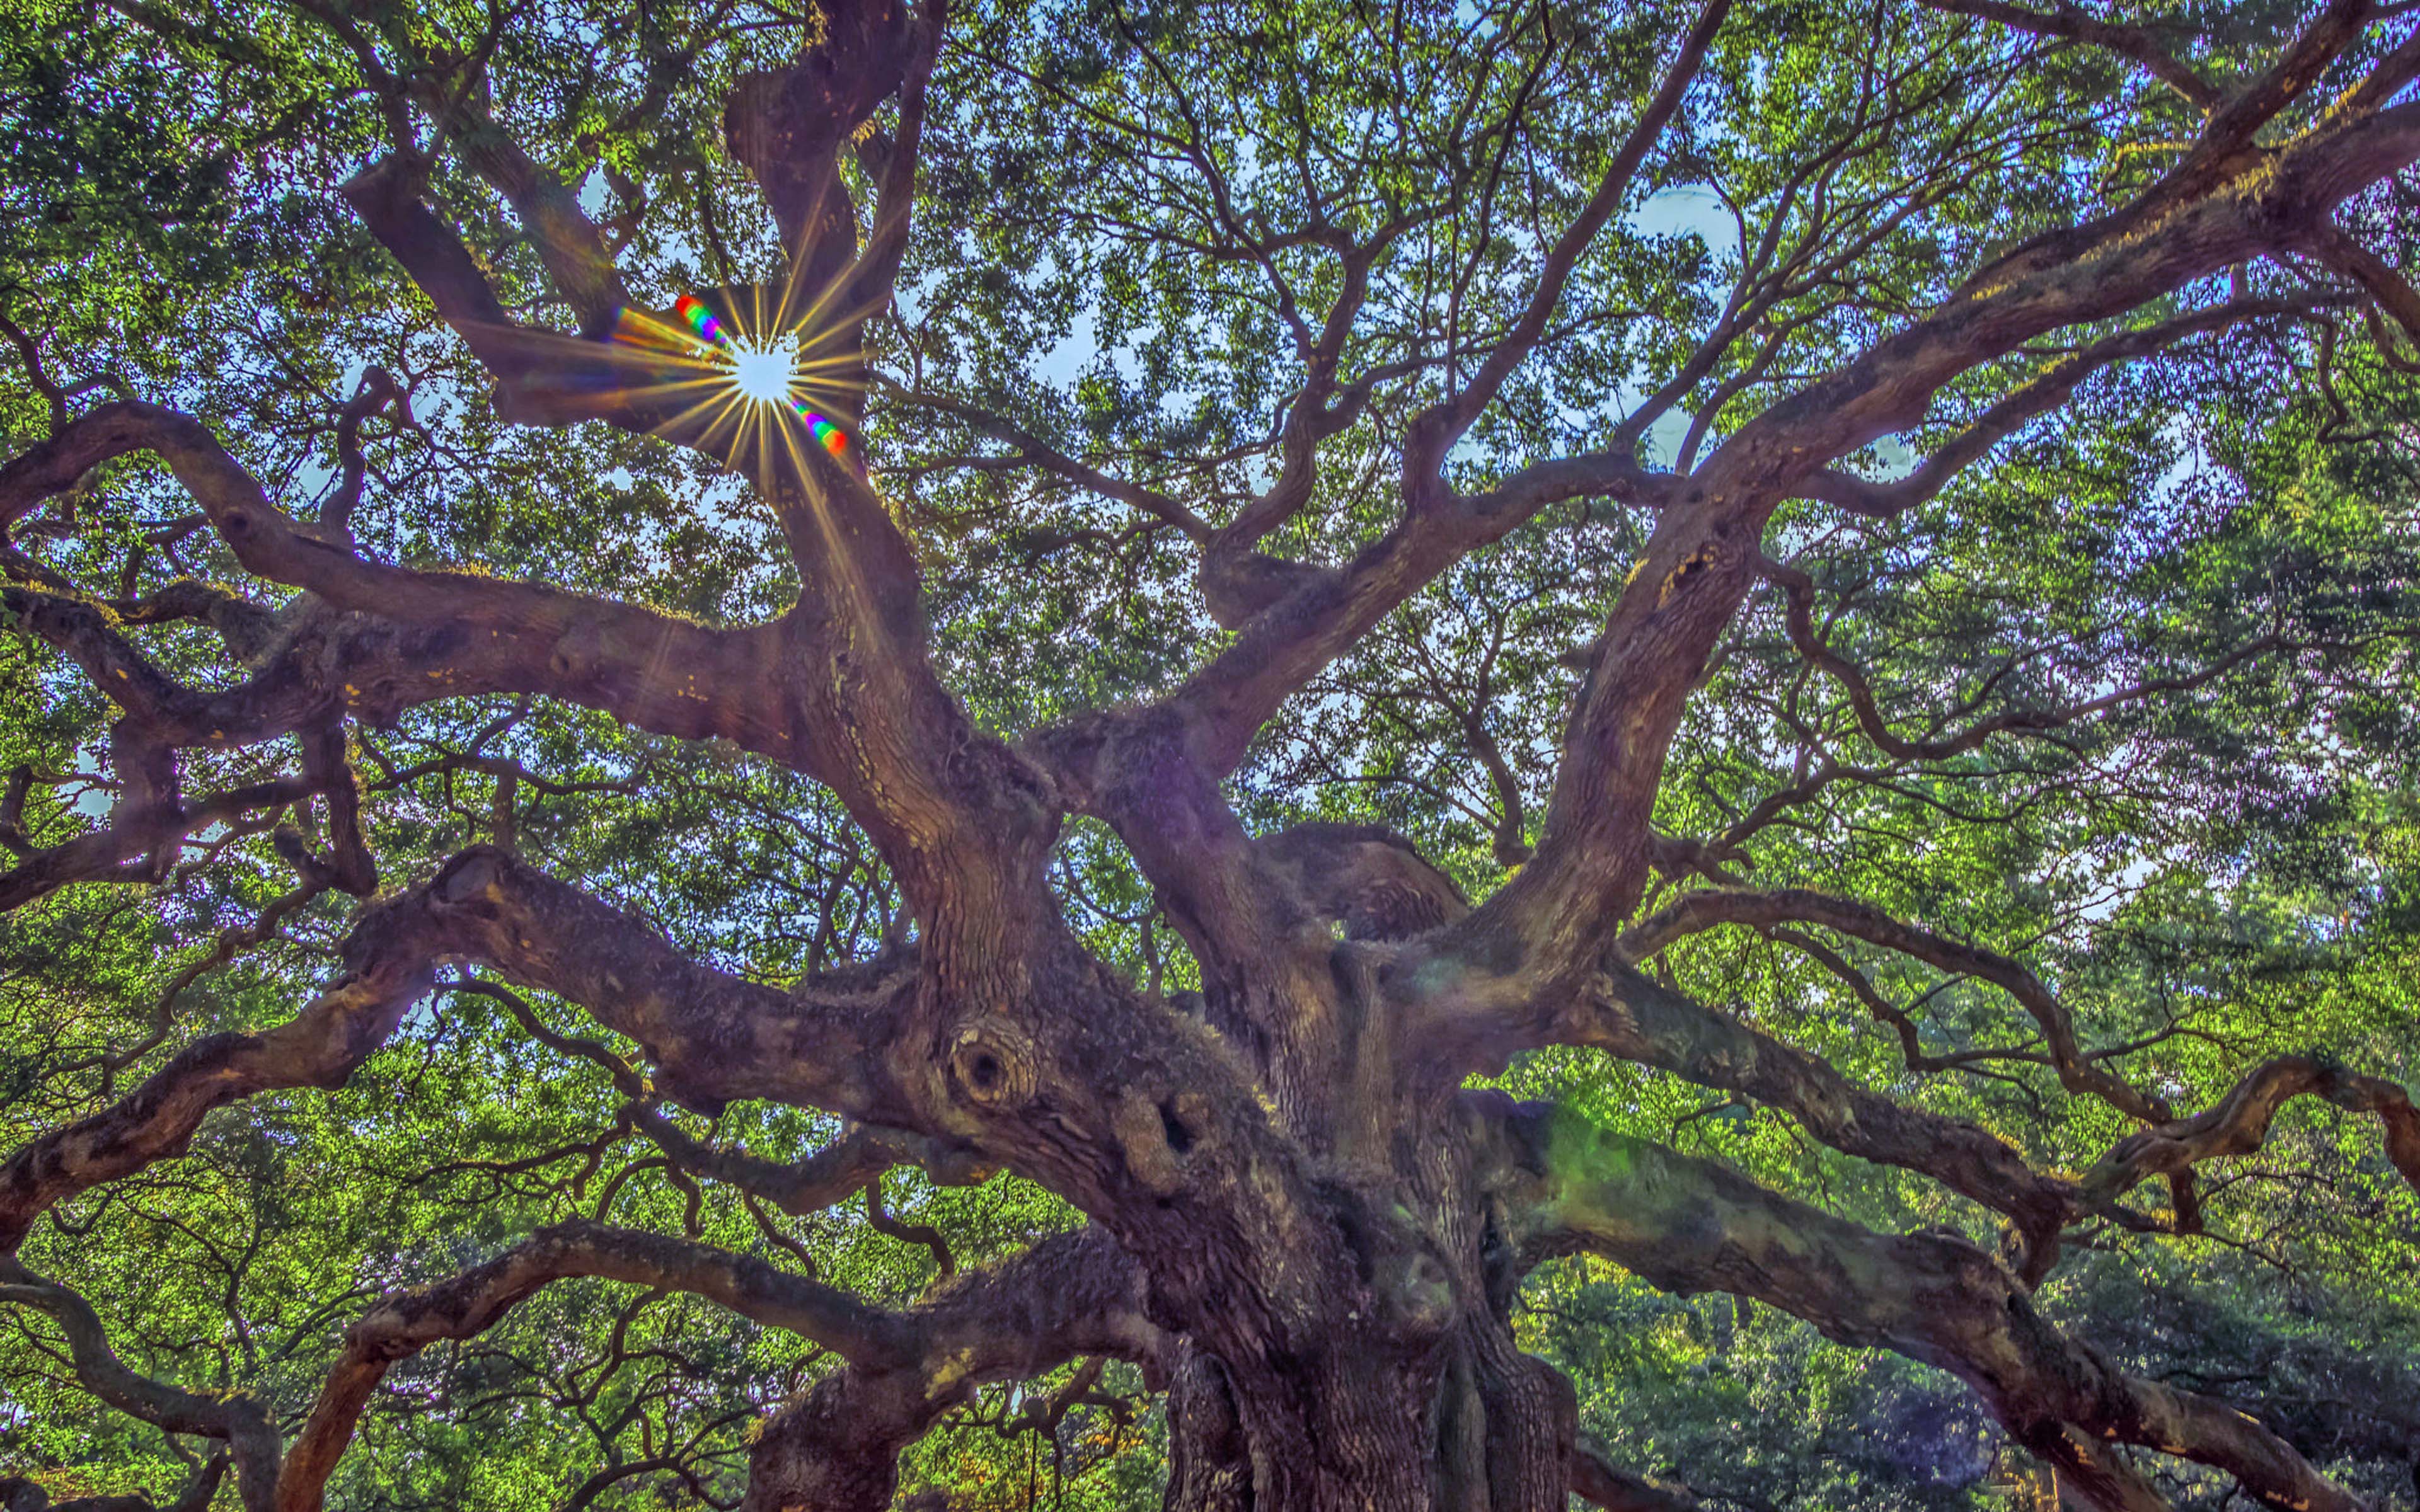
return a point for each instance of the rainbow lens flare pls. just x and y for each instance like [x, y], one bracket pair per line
[821, 429]
[697, 322]
[693, 313]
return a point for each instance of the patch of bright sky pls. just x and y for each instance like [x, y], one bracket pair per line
[1685, 210]
[1695, 209]
[1688, 209]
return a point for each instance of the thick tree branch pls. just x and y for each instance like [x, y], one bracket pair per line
[74, 447]
[875, 271]
[449, 634]
[404, 1323]
[247, 627]
[1596, 1478]
[570, 246]
[1632, 1017]
[714, 1038]
[542, 377]
[2225, 153]
[1690, 1225]
[1595, 850]
[387, 195]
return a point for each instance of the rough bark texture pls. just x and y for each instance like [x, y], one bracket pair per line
[1302, 1225]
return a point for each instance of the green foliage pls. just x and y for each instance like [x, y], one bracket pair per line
[2209, 878]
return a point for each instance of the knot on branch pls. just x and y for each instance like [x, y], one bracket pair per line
[577, 653]
[992, 1061]
[1157, 1135]
[472, 880]
[1701, 566]
[1237, 585]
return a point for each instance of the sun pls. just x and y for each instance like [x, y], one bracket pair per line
[747, 383]
[764, 372]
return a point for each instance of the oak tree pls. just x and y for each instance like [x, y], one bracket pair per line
[739, 733]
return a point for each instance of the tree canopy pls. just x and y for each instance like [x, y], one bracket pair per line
[1295, 755]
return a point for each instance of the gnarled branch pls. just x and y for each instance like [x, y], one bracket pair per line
[461, 1308]
[836, 1448]
[1690, 1224]
[2238, 1122]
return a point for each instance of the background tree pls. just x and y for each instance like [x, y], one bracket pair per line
[1397, 688]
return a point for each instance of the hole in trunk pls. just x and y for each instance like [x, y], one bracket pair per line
[1180, 1138]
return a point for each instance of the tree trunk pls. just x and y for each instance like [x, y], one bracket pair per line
[1475, 1426]
[1409, 1392]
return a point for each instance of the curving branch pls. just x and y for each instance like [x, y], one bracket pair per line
[880, 1219]
[836, 1448]
[1040, 451]
[141, 840]
[2078, 1071]
[2036, 396]
[404, 1323]
[1321, 409]
[239, 1421]
[2239, 1123]
[2373, 274]
[1688, 1225]
[714, 1038]
[840, 1170]
[1799, 590]
[376, 392]
[74, 447]
[387, 967]
[2070, 22]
